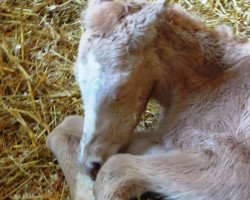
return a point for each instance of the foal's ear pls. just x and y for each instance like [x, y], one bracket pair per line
[101, 16]
[142, 23]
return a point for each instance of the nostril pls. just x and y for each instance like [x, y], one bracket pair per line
[95, 169]
[96, 165]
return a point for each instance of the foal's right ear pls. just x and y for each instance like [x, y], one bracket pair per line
[142, 23]
[96, 2]
[102, 16]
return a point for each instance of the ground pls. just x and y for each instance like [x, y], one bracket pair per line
[38, 46]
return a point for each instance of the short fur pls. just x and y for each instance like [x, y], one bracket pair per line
[200, 76]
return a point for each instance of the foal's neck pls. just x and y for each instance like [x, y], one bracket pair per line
[191, 55]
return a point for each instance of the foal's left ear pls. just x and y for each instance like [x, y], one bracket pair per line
[142, 23]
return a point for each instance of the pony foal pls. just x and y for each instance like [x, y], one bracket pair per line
[133, 52]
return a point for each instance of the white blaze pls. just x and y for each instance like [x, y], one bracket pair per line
[88, 75]
[96, 83]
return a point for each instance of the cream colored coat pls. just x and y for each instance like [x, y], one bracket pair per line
[134, 52]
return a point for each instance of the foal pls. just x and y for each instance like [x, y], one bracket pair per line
[133, 52]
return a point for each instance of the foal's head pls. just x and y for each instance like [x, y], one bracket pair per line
[114, 72]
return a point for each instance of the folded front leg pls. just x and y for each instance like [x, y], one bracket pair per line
[63, 141]
[179, 176]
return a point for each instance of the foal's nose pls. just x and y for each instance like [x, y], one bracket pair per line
[91, 166]
[95, 167]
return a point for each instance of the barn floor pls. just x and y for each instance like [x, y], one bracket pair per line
[38, 44]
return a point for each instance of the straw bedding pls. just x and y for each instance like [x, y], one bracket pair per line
[38, 45]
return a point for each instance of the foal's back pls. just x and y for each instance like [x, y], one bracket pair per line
[211, 102]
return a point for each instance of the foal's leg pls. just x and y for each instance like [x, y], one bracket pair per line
[146, 143]
[178, 175]
[63, 141]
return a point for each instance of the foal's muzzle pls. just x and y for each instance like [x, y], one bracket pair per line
[90, 165]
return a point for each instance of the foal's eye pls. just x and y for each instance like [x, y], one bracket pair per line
[121, 97]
